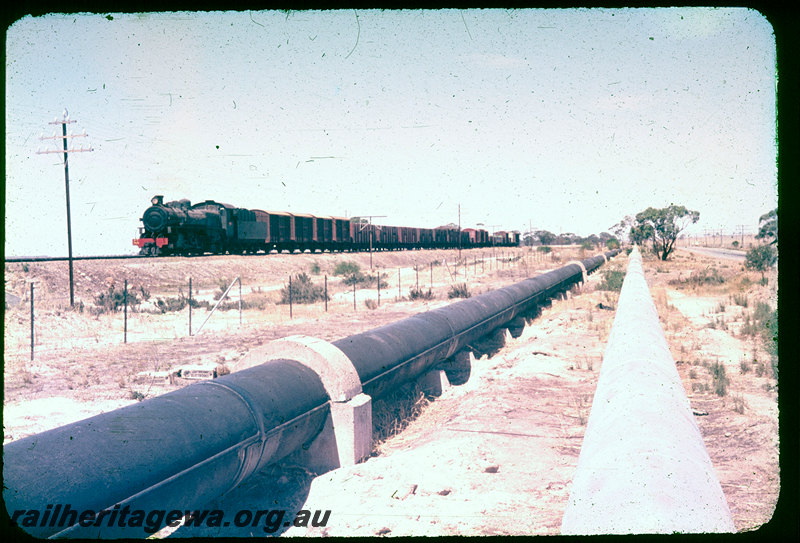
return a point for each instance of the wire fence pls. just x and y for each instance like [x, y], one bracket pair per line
[124, 316]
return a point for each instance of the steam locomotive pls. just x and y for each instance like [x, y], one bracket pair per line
[180, 228]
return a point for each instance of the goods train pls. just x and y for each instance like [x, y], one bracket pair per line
[180, 228]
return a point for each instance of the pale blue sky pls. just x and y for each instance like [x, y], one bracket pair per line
[568, 119]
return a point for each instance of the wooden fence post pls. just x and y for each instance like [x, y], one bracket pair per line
[31, 320]
[125, 302]
[190, 306]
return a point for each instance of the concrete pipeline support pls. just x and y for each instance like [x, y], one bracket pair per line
[178, 451]
[643, 466]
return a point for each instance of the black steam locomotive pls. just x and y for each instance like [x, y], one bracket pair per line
[180, 228]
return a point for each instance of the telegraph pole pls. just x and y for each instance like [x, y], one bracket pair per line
[65, 120]
[459, 231]
[371, 231]
[741, 228]
[494, 229]
[530, 234]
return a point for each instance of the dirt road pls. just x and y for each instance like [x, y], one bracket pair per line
[729, 254]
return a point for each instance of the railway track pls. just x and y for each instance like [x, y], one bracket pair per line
[152, 257]
[74, 258]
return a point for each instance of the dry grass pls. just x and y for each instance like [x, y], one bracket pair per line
[739, 403]
[582, 405]
[392, 413]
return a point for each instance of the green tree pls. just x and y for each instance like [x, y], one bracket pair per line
[622, 228]
[593, 240]
[768, 226]
[662, 226]
[528, 239]
[640, 233]
[568, 238]
[545, 237]
[761, 258]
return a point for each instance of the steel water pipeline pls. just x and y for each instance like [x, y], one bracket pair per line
[184, 448]
[595, 262]
[175, 451]
[388, 356]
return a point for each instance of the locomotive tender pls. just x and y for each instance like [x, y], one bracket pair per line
[180, 228]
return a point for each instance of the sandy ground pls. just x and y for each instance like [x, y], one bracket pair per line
[494, 455]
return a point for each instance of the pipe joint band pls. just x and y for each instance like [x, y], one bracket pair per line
[249, 455]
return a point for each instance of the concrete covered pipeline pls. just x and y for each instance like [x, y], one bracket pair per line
[643, 466]
[180, 450]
